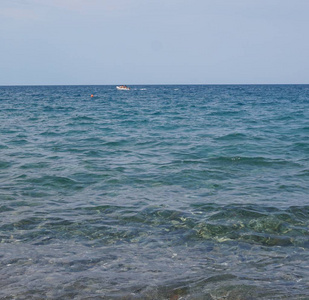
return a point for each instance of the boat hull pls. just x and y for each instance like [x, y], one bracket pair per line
[120, 88]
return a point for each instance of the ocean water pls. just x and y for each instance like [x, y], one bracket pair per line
[160, 192]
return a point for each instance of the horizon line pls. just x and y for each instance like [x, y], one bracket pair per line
[152, 84]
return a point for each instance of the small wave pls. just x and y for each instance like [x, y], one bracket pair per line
[303, 173]
[301, 146]
[4, 208]
[50, 133]
[5, 164]
[55, 182]
[257, 161]
[83, 118]
[18, 142]
[37, 165]
[116, 143]
[232, 136]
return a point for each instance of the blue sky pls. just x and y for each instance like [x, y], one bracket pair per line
[154, 42]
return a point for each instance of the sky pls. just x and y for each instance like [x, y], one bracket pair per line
[51, 42]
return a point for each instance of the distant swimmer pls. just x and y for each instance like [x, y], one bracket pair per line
[91, 96]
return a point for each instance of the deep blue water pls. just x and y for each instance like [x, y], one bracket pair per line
[160, 192]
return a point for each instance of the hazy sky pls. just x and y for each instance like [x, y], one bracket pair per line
[154, 41]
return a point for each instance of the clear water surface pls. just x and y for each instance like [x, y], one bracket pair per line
[160, 192]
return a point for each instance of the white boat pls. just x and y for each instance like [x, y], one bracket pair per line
[122, 88]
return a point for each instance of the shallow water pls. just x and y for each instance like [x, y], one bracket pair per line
[160, 192]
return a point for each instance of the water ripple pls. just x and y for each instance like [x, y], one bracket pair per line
[165, 192]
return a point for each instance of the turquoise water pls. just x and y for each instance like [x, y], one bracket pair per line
[160, 192]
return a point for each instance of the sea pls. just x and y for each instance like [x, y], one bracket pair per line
[160, 192]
